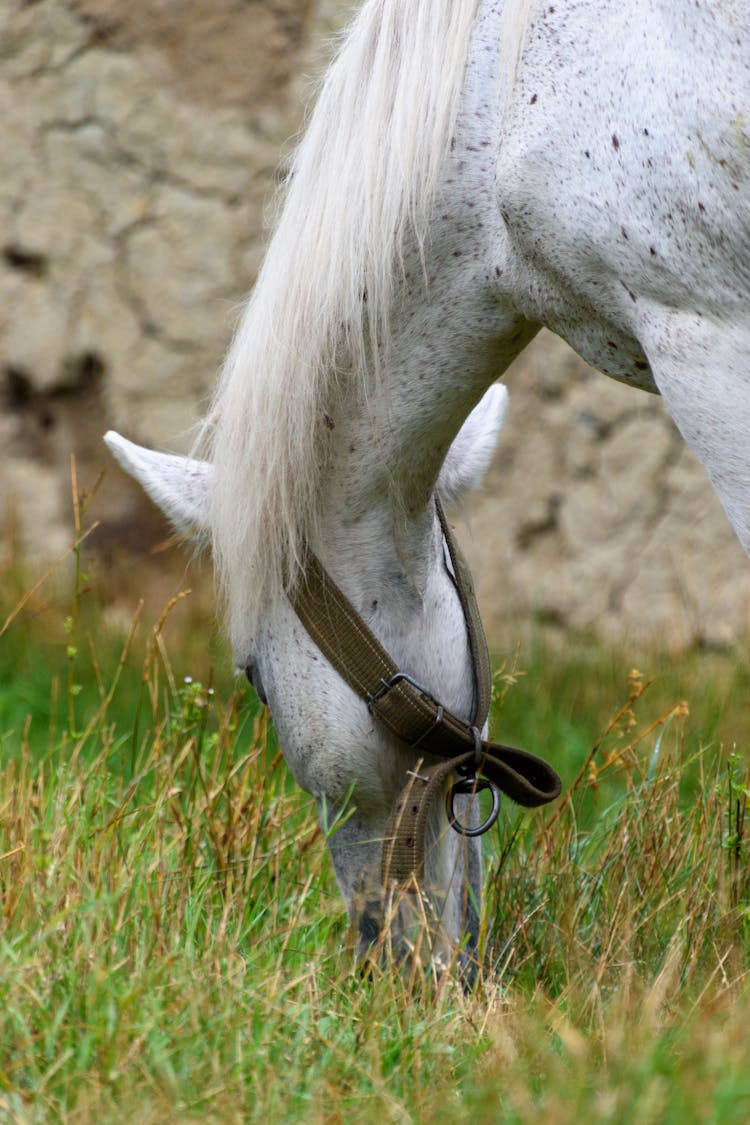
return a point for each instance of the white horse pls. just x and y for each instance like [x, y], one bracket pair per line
[473, 170]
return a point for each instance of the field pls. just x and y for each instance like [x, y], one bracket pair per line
[172, 945]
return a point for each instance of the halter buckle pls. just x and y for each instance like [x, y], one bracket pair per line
[387, 685]
[402, 677]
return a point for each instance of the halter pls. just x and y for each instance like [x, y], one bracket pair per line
[411, 713]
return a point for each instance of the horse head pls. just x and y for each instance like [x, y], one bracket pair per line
[398, 575]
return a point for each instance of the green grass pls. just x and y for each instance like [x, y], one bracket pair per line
[173, 947]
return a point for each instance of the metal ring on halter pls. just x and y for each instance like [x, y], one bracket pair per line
[472, 786]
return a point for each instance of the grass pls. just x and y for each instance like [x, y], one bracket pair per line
[172, 944]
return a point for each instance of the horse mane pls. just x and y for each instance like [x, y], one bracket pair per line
[363, 177]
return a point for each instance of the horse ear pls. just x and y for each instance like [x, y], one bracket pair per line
[469, 456]
[178, 485]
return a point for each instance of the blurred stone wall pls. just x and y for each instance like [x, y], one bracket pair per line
[140, 144]
[595, 516]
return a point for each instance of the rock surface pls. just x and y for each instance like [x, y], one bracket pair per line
[595, 516]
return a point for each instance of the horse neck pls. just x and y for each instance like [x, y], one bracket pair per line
[388, 437]
[448, 338]
[381, 548]
[377, 532]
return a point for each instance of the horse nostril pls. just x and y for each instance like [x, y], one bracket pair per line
[253, 675]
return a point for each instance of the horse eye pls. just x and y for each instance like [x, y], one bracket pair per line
[253, 676]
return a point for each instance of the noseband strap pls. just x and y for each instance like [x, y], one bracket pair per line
[412, 714]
